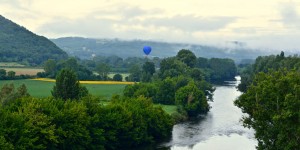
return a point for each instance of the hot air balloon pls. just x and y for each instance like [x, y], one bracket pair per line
[147, 50]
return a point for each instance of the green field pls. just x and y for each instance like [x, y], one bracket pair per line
[170, 109]
[43, 89]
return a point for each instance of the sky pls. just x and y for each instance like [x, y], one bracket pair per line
[263, 24]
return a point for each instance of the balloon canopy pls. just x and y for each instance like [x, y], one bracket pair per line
[147, 50]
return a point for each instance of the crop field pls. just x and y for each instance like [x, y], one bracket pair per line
[88, 82]
[25, 71]
[38, 88]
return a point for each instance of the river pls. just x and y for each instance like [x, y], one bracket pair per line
[219, 129]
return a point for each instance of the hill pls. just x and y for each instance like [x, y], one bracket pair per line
[85, 48]
[17, 44]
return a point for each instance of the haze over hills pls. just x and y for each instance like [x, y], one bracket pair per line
[17, 44]
[86, 48]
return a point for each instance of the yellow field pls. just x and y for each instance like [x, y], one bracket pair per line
[25, 71]
[87, 82]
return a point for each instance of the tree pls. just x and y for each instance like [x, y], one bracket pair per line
[272, 104]
[149, 67]
[102, 69]
[191, 99]
[50, 67]
[117, 77]
[172, 67]
[148, 71]
[222, 69]
[8, 93]
[67, 86]
[135, 73]
[166, 92]
[71, 64]
[187, 57]
[2, 74]
[11, 74]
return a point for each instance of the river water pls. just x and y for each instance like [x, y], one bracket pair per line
[220, 129]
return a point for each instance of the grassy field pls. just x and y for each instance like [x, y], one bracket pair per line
[10, 64]
[19, 71]
[43, 89]
[170, 109]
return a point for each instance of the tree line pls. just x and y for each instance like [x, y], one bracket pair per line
[11, 75]
[73, 119]
[271, 100]
[177, 82]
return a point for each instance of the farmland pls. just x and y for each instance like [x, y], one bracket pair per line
[25, 71]
[40, 89]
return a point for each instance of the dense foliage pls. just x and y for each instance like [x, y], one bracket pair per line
[8, 93]
[31, 123]
[17, 44]
[52, 68]
[265, 64]
[11, 75]
[177, 82]
[273, 105]
[217, 69]
[67, 86]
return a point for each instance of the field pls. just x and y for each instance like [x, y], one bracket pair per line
[170, 109]
[25, 71]
[10, 64]
[43, 89]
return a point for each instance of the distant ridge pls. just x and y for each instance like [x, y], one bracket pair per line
[18, 44]
[85, 48]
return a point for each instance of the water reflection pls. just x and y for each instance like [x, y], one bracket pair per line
[219, 129]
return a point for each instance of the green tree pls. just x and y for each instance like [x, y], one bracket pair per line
[8, 93]
[117, 77]
[2, 74]
[102, 69]
[187, 57]
[11, 74]
[67, 86]
[135, 73]
[166, 92]
[191, 99]
[172, 67]
[50, 67]
[222, 69]
[149, 68]
[272, 104]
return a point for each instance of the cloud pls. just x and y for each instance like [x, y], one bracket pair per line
[191, 23]
[86, 26]
[289, 14]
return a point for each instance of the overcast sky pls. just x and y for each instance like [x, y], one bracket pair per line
[268, 24]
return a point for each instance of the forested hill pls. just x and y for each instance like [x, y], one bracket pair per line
[17, 44]
[84, 48]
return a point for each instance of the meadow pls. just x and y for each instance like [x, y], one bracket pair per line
[41, 89]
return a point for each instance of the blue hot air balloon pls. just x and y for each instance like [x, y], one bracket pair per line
[147, 50]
